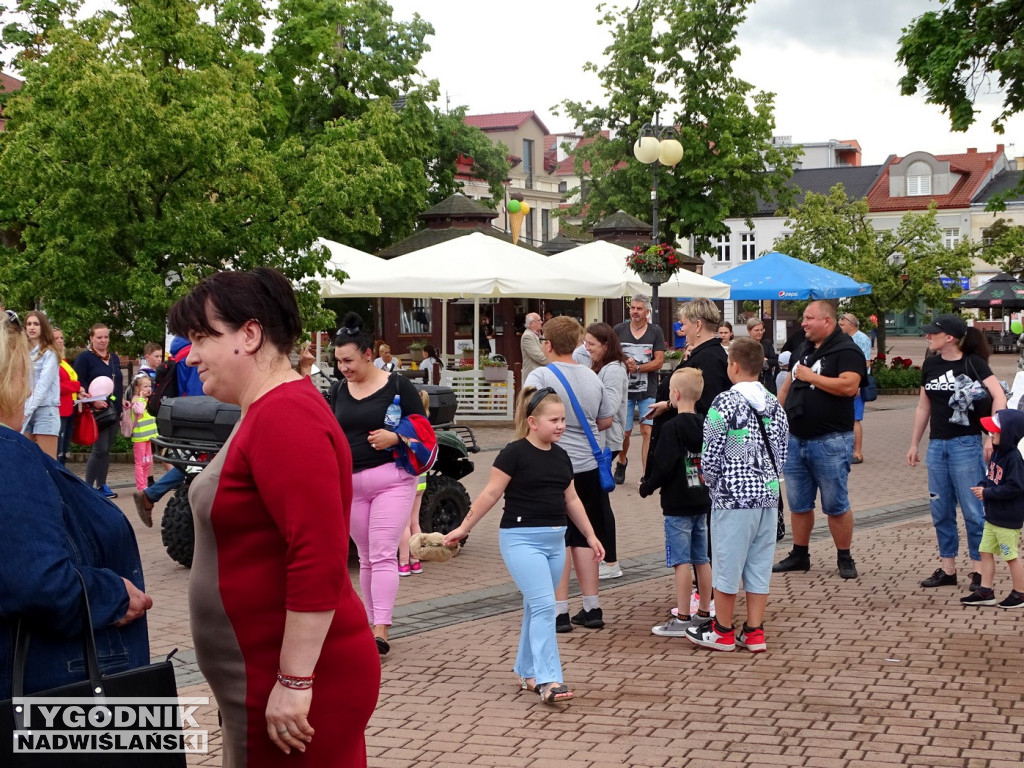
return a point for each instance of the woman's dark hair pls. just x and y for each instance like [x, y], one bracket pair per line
[234, 298]
[432, 352]
[975, 343]
[351, 332]
[605, 334]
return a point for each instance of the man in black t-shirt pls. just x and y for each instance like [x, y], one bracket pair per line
[826, 372]
[643, 345]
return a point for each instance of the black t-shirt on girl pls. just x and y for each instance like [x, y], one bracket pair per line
[937, 376]
[360, 417]
[535, 496]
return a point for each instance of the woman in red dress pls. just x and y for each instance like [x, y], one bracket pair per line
[280, 634]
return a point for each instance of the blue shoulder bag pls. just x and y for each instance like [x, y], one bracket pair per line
[603, 455]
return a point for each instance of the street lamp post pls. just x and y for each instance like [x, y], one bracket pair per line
[657, 145]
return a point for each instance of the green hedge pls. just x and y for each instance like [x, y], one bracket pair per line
[121, 444]
[900, 373]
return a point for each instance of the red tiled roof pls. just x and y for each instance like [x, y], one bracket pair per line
[973, 166]
[565, 167]
[502, 121]
[10, 82]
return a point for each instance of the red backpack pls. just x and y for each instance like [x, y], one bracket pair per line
[416, 451]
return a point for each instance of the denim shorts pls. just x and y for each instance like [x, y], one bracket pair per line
[644, 406]
[686, 540]
[819, 463]
[45, 420]
[743, 546]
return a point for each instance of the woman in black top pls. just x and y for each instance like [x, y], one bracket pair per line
[382, 493]
[700, 318]
[956, 455]
[756, 329]
[535, 476]
[90, 365]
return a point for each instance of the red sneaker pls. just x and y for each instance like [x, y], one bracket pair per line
[752, 639]
[711, 635]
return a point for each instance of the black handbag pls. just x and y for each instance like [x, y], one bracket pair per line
[106, 417]
[155, 681]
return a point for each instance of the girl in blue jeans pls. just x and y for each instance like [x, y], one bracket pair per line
[535, 476]
[956, 453]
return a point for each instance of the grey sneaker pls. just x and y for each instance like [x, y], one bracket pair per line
[673, 627]
[605, 571]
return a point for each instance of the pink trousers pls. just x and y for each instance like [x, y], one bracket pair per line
[381, 502]
[143, 464]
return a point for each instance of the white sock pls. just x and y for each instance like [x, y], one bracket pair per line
[590, 602]
[561, 606]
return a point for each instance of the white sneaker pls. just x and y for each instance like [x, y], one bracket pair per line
[605, 571]
[672, 628]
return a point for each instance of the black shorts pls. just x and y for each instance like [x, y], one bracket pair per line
[595, 502]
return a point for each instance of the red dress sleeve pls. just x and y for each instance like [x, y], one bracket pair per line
[306, 493]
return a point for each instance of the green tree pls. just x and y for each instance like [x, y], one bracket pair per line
[348, 64]
[953, 54]
[153, 144]
[903, 264]
[676, 59]
[1005, 247]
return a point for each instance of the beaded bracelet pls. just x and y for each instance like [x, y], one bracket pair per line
[295, 683]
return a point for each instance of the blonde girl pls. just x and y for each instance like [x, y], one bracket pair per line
[143, 428]
[42, 409]
[535, 476]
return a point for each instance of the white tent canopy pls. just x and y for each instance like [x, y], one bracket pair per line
[607, 261]
[366, 273]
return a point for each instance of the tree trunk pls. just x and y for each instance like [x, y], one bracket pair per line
[880, 341]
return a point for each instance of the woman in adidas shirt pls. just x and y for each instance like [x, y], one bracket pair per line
[956, 456]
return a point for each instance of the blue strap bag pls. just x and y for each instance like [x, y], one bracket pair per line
[603, 455]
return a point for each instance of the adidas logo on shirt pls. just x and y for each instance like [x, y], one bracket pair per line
[945, 383]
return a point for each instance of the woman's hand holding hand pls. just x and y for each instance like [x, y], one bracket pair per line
[138, 603]
[452, 538]
[287, 723]
[382, 439]
[596, 547]
[660, 408]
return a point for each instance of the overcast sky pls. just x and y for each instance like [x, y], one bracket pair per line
[830, 64]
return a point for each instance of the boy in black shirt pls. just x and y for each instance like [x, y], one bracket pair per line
[674, 467]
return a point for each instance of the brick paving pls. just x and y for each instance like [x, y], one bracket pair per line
[871, 672]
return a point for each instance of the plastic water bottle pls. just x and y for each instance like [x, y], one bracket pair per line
[393, 415]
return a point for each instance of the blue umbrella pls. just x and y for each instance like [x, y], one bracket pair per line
[783, 278]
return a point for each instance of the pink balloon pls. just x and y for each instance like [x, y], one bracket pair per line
[101, 386]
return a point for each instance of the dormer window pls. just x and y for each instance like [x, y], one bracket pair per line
[919, 179]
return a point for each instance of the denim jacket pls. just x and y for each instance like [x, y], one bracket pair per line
[53, 525]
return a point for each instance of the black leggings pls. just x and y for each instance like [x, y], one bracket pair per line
[99, 461]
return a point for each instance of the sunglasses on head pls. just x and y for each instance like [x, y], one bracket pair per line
[12, 319]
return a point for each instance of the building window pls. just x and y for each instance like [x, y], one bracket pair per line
[723, 249]
[748, 246]
[545, 225]
[415, 316]
[951, 236]
[986, 238]
[919, 179]
[528, 221]
[528, 162]
[563, 187]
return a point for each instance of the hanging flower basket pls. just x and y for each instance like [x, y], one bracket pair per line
[655, 264]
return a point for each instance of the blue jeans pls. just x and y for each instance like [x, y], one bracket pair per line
[819, 463]
[171, 480]
[534, 558]
[954, 466]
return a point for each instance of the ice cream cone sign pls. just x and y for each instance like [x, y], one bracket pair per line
[517, 211]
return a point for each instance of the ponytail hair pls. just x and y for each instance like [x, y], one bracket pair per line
[351, 332]
[532, 402]
[975, 343]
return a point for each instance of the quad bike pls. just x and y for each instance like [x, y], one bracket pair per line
[193, 429]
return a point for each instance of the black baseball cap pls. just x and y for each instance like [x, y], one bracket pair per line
[951, 324]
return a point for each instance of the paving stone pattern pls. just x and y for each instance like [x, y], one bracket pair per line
[871, 672]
